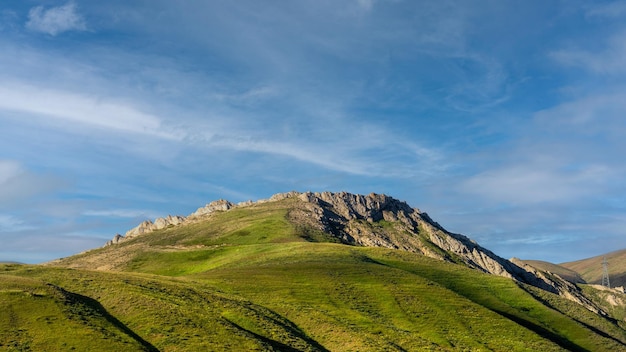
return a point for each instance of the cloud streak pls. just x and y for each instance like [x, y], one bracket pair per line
[535, 184]
[55, 20]
[76, 108]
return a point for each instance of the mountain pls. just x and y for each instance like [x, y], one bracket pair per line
[301, 272]
[374, 220]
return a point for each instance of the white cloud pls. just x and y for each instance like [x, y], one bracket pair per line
[536, 183]
[571, 151]
[81, 109]
[55, 20]
[367, 150]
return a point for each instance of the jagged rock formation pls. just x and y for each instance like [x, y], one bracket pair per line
[377, 220]
[218, 205]
[147, 227]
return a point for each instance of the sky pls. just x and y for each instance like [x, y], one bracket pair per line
[503, 120]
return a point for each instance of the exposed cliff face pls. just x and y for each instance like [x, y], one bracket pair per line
[357, 219]
[360, 220]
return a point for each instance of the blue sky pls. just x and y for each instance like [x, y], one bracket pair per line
[504, 120]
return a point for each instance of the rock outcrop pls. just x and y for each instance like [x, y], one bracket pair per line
[115, 240]
[147, 227]
[218, 205]
[356, 219]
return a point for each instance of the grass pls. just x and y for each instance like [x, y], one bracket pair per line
[320, 296]
[43, 317]
[382, 301]
[173, 315]
[239, 226]
[611, 302]
[250, 280]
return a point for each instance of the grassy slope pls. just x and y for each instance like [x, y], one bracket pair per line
[338, 297]
[42, 317]
[591, 268]
[173, 315]
[247, 280]
[380, 299]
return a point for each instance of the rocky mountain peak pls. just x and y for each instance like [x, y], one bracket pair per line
[369, 207]
[378, 220]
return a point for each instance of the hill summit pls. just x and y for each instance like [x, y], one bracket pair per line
[373, 220]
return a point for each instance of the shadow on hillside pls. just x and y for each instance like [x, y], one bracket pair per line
[543, 332]
[579, 321]
[279, 346]
[99, 309]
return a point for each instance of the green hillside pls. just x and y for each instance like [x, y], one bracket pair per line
[252, 278]
[38, 316]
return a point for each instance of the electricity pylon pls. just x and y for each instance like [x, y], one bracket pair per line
[605, 274]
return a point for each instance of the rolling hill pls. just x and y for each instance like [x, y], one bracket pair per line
[590, 269]
[298, 272]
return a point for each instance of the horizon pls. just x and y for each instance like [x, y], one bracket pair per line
[503, 121]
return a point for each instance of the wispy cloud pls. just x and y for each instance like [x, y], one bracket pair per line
[534, 184]
[55, 20]
[609, 59]
[599, 113]
[534, 240]
[9, 223]
[81, 109]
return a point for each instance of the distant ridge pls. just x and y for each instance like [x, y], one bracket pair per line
[590, 269]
